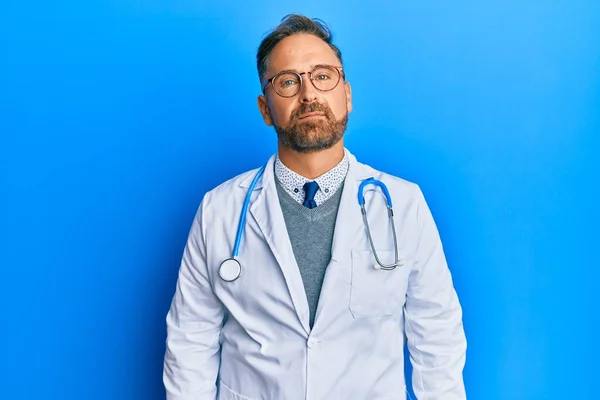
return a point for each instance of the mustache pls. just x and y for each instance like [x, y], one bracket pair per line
[312, 107]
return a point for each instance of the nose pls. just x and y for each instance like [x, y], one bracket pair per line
[308, 92]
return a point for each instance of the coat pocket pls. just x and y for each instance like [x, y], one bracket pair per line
[225, 393]
[376, 292]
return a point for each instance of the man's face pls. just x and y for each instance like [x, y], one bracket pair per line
[312, 120]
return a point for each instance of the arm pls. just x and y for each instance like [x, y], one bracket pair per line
[433, 318]
[194, 322]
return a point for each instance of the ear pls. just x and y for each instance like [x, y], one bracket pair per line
[264, 110]
[348, 91]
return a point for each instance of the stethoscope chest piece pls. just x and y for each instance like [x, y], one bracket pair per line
[230, 270]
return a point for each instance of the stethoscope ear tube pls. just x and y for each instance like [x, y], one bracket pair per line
[373, 181]
[361, 201]
[242, 222]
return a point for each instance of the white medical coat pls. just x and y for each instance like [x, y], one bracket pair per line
[250, 339]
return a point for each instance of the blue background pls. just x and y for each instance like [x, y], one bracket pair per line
[117, 116]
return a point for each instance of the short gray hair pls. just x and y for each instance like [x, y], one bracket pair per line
[293, 24]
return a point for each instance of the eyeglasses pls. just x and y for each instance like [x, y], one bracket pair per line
[288, 83]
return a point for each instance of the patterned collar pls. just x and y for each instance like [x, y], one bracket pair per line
[329, 182]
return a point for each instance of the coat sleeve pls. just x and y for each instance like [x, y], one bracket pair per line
[433, 318]
[194, 323]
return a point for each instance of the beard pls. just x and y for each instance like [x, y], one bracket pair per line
[312, 135]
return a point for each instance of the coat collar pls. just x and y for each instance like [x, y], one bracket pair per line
[357, 171]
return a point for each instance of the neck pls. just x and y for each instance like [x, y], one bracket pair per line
[312, 165]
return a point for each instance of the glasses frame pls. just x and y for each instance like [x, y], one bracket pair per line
[341, 77]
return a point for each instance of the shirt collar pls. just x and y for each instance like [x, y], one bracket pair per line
[329, 182]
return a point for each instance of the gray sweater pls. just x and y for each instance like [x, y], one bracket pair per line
[311, 235]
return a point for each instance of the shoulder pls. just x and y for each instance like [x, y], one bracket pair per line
[407, 197]
[230, 189]
[397, 185]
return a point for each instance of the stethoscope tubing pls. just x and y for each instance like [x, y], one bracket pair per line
[361, 201]
[242, 223]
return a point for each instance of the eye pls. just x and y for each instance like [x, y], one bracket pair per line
[286, 81]
[322, 77]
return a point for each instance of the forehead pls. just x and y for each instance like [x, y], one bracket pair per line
[300, 52]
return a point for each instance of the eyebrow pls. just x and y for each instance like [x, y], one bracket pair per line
[312, 66]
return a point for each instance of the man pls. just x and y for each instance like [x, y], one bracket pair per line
[309, 312]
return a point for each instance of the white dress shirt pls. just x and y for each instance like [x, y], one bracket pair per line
[329, 182]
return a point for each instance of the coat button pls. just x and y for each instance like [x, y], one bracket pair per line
[311, 343]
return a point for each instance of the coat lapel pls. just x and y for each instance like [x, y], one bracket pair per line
[348, 228]
[348, 224]
[266, 210]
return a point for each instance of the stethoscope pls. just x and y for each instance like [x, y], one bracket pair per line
[231, 269]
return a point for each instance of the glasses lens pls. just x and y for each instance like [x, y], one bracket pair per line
[287, 84]
[325, 78]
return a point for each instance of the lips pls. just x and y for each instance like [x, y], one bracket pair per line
[311, 114]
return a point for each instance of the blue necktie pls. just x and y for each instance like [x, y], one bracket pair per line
[310, 188]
